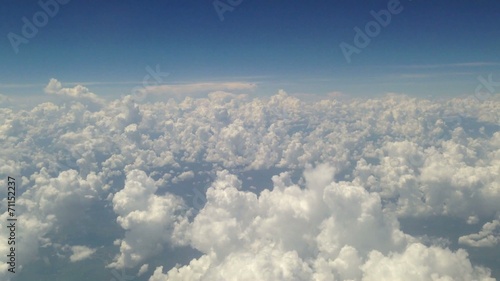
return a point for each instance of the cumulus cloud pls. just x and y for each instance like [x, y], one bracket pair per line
[143, 269]
[181, 90]
[148, 219]
[489, 236]
[51, 206]
[147, 171]
[322, 231]
[54, 87]
[422, 263]
[183, 176]
[80, 253]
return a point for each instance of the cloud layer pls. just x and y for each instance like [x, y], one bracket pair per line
[170, 175]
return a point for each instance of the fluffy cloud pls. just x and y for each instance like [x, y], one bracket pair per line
[183, 176]
[148, 219]
[48, 208]
[79, 92]
[395, 157]
[181, 90]
[322, 231]
[422, 263]
[80, 253]
[489, 236]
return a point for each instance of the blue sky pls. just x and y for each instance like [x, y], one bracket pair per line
[427, 49]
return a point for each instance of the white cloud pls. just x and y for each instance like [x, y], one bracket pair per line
[54, 87]
[144, 268]
[421, 263]
[148, 219]
[81, 253]
[394, 157]
[325, 231]
[181, 90]
[489, 236]
[187, 175]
